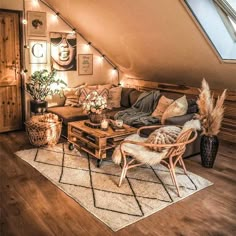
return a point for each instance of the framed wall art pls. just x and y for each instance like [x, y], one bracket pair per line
[37, 23]
[63, 51]
[85, 62]
[37, 51]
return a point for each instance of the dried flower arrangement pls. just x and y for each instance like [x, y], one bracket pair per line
[210, 112]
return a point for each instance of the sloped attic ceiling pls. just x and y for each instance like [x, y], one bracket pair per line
[152, 40]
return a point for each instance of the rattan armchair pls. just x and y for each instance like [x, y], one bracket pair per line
[172, 154]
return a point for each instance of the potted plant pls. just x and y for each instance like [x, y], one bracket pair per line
[210, 115]
[43, 83]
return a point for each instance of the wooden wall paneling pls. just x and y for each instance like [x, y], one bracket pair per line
[228, 129]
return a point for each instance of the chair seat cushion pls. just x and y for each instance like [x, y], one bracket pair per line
[140, 153]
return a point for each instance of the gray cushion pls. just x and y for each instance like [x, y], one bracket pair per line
[125, 102]
[133, 96]
[179, 120]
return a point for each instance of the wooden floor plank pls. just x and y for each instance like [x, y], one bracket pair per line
[32, 205]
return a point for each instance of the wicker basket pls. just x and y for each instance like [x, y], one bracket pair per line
[43, 131]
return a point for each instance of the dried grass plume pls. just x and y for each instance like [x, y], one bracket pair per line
[210, 113]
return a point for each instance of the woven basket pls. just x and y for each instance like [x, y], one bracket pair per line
[43, 131]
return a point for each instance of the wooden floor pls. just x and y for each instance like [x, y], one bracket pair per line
[32, 205]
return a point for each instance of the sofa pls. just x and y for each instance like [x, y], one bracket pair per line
[128, 98]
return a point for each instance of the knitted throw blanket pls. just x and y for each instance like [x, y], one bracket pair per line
[140, 112]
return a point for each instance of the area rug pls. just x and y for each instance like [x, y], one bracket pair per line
[145, 191]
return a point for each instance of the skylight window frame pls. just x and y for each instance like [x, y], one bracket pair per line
[226, 11]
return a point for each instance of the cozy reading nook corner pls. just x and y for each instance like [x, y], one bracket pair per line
[114, 121]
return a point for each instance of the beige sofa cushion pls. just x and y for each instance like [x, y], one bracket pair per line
[104, 86]
[162, 105]
[114, 97]
[178, 108]
[72, 95]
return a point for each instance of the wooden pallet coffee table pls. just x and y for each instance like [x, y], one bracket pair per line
[95, 141]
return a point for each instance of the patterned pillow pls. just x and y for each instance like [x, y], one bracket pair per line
[163, 135]
[114, 97]
[72, 98]
[71, 95]
[84, 92]
[178, 108]
[162, 105]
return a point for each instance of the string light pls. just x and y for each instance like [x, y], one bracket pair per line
[24, 71]
[26, 46]
[114, 70]
[101, 58]
[73, 31]
[87, 46]
[24, 21]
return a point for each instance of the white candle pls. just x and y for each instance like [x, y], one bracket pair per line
[104, 124]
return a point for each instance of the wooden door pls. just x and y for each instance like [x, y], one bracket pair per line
[10, 78]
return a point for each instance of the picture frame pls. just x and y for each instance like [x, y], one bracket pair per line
[63, 51]
[37, 51]
[37, 23]
[85, 64]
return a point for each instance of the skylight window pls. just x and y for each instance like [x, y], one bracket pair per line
[218, 21]
[227, 11]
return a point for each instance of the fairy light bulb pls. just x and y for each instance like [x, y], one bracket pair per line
[114, 71]
[24, 21]
[87, 46]
[35, 3]
[100, 59]
[55, 16]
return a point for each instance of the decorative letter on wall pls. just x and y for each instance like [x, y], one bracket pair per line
[37, 23]
[63, 51]
[85, 64]
[37, 51]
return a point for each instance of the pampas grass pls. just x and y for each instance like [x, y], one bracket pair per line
[210, 113]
